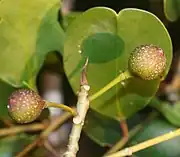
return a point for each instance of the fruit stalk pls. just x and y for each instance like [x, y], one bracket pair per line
[121, 77]
[61, 106]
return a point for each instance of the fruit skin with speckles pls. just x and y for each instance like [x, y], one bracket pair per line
[147, 62]
[25, 105]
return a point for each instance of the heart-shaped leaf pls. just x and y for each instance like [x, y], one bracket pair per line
[107, 39]
[28, 31]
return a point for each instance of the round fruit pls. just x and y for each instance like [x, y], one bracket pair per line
[147, 62]
[25, 105]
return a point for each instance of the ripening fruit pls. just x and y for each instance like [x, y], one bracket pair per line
[25, 105]
[147, 62]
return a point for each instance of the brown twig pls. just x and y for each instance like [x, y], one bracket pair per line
[29, 148]
[124, 128]
[120, 144]
[124, 140]
[57, 122]
[50, 148]
[22, 128]
[7, 122]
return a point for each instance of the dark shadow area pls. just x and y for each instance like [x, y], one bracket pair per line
[98, 47]
[58, 69]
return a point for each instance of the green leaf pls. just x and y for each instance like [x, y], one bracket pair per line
[9, 146]
[28, 31]
[170, 111]
[156, 128]
[172, 9]
[107, 39]
[106, 131]
[69, 18]
[101, 129]
[5, 92]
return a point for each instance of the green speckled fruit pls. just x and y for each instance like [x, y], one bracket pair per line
[25, 105]
[147, 62]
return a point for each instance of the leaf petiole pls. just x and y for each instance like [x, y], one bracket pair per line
[121, 77]
[61, 106]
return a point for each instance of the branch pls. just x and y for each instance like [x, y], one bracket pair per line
[50, 148]
[22, 128]
[78, 121]
[29, 148]
[120, 144]
[129, 151]
[124, 139]
[57, 122]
